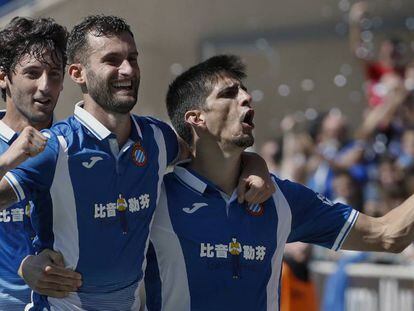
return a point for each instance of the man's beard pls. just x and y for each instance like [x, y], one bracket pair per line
[100, 92]
[244, 142]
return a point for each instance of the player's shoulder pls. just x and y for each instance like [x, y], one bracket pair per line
[148, 121]
[62, 132]
[291, 190]
[65, 127]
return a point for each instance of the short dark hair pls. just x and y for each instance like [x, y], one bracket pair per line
[24, 36]
[190, 89]
[97, 25]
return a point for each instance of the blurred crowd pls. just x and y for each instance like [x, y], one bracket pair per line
[370, 167]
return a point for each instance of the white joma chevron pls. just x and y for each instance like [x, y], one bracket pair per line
[194, 208]
[92, 162]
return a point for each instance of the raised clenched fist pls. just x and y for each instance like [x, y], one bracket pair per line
[29, 144]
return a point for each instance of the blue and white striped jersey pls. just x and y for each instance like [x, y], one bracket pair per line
[16, 236]
[211, 253]
[101, 202]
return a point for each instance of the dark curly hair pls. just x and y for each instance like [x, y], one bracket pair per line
[97, 25]
[24, 36]
[190, 89]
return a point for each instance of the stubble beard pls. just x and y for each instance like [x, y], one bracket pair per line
[244, 142]
[100, 92]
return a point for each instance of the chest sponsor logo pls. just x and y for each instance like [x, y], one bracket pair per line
[233, 248]
[92, 162]
[194, 208]
[15, 214]
[133, 205]
[138, 154]
[255, 209]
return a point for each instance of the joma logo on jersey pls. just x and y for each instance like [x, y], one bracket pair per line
[234, 247]
[133, 205]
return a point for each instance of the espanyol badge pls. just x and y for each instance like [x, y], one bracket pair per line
[139, 156]
[255, 209]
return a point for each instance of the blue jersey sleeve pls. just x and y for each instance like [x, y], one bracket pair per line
[171, 140]
[315, 219]
[35, 174]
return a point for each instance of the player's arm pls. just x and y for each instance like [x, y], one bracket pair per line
[255, 184]
[46, 274]
[29, 143]
[392, 232]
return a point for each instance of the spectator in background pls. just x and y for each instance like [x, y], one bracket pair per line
[406, 157]
[347, 189]
[298, 291]
[297, 148]
[390, 58]
[272, 151]
[334, 151]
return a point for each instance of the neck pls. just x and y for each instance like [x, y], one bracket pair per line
[17, 121]
[218, 165]
[117, 123]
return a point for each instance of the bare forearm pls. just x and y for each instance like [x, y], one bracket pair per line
[390, 233]
[399, 226]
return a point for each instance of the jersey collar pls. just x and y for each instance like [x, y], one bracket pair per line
[94, 126]
[6, 133]
[198, 182]
[189, 179]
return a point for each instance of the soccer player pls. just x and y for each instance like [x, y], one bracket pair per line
[213, 253]
[100, 172]
[32, 64]
[199, 228]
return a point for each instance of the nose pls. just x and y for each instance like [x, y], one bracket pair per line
[246, 98]
[126, 68]
[44, 83]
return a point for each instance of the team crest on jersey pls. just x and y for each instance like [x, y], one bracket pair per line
[255, 209]
[139, 156]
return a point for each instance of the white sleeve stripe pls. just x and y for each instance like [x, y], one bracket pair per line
[18, 190]
[345, 230]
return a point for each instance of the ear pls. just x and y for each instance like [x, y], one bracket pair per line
[77, 73]
[195, 118]
[3, 79]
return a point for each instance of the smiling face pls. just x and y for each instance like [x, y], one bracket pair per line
[33, 88]
[228, 113]
[112, 73]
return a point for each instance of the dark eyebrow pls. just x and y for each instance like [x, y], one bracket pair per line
[228, 88]
[116, 54]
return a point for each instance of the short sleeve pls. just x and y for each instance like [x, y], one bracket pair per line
[315, 219]
[35, 174]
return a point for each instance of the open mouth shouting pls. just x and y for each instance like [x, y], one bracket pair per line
[247, 119]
